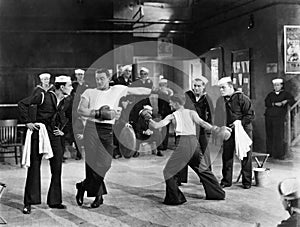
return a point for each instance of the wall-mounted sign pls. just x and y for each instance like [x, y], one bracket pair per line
[241, 70]
[292, 49]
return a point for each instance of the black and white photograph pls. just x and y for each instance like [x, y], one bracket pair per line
[150, 113]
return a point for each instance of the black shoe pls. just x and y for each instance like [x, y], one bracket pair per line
[224, 185]
[58, 206]
[27, 209]
[159, 153]
[97, 202]
[80, 193]
[136, 154]
[174, 203]
[78, 158]
[246, 186]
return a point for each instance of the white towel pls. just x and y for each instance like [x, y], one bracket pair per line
[44, 145]
[242, 140]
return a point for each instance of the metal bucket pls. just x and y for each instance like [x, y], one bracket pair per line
[261, 176]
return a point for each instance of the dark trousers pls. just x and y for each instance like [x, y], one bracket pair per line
[182, 176]
[275, 136]
[187, 152]
[98, 143]
[228, 158]
[32, 193]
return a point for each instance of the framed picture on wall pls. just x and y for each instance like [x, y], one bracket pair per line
[292, 49]
[241, 70]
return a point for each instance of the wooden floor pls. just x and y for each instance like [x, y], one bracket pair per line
[135, 195]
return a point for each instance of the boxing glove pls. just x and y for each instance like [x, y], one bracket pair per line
[222, 133]
[105, 113]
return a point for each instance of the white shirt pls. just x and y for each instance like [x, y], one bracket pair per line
[184, 123]
[110, 97]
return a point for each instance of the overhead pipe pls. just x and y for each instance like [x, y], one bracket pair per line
[131, 21]
[98, 31]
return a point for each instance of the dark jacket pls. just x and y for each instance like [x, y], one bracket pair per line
[141, 126]
[121, 80]
[48, 112]
[277, 111]
[236, 107]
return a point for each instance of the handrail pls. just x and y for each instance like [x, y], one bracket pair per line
[294, 105]
[293, 120]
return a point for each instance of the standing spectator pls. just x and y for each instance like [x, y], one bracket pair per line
[237, 107]
[125, 77]
[143, 80]
[99, 105]
[44, 86]
[79, 86]
[51, 108]
[276, 104]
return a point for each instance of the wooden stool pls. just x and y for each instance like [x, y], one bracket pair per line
[260, 163]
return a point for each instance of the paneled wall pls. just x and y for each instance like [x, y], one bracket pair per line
[264, 39]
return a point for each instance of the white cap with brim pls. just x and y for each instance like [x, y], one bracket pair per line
[147, 107]
[127, 67]
[79, 71]
[44, 75]
[163, 81]
[289, 188]
[224, 80]
[277, 81]
[202, 78]
[145, 69]
[63, 79]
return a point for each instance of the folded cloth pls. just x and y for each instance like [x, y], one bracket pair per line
[44, 145]
[242, 140]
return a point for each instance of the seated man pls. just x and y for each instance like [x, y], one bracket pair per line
[289, 190]
[145, 134]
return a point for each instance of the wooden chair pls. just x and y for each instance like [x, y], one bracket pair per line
[9, 138]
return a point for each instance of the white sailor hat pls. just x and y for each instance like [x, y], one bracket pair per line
[161, 77]
[202, 78]
[224, 80]
[289, 188]
[79, 71]
[62, 79]
[277, 81]
[163, 81]
[44, 75]
[127, 67]
[147, 107]
[145, 69]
